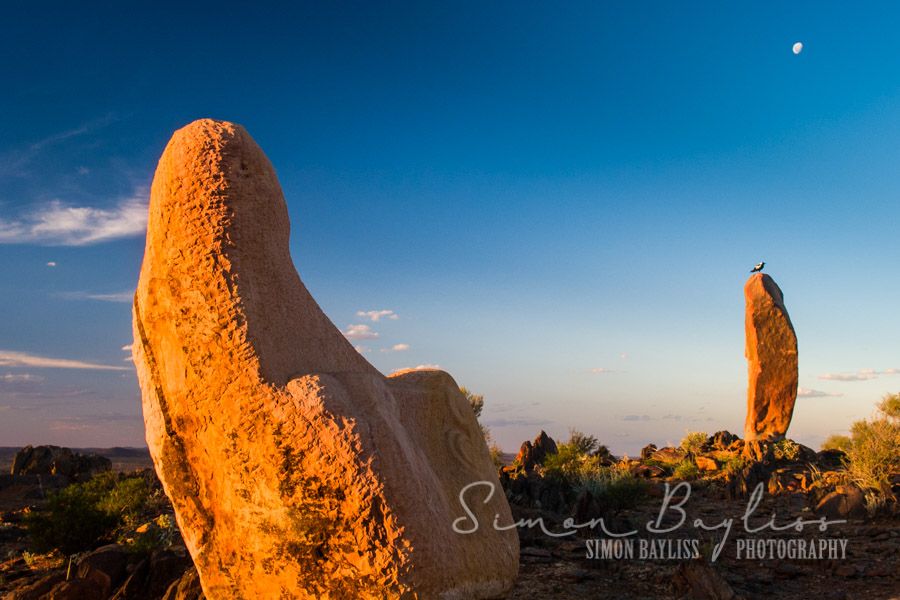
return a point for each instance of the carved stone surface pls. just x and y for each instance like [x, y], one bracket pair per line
[296, 469]
[771, 359]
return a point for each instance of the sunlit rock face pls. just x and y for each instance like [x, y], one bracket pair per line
[296, 469]
[772, 360]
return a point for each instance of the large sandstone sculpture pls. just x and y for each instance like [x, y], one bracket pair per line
[296, 469]
[772, 360]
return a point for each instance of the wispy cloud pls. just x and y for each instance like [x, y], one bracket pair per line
[603, 371]
[16, 163]
[636, 418]
[57, 224]
[20, 378]
[523, 422]
[861, 375]
[360, 332]
[95, 422]
[9, 358]
[396, 348]
[377, 315]
[809, 393]
[126, 297]
[360, 348]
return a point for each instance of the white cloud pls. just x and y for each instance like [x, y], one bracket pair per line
[377, 315]
[124, 297]
[861, 375]
[425, 367]
[808, 393]
[9, 358]
[396, 348]
[601, 370]
[51, 264]
[360, 332]
[360, 348]
[57, 224]
[846, 376]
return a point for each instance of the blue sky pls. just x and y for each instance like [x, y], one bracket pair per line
[559, 204]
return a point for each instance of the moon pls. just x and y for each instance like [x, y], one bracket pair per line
[797, 47]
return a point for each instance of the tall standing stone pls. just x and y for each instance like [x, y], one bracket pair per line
[296, 469]
[772, 360]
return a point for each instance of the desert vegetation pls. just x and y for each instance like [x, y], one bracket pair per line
[110, 507]
[871, 458]
[855, 477]
[476, 401]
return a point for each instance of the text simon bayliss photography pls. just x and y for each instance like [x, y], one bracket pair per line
[660, 540]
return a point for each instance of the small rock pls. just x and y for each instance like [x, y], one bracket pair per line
[706, 464]
[843, 503]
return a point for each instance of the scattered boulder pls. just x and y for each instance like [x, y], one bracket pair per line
[647, 451]
[648, 471]
[295, 468]
[742, 483]
[846, 502]
[669, 455]
[698, 580]
[722, 440]
[105, 567]
[38, 589]
[706, 464]
[186, 588]
[831, 459]
[54, 460]
[771, 352]
[759, 451]
[76, 589]
[534, 453]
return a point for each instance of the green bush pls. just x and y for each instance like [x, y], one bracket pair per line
[570, 463]
[694, 441]
[158, 534]
[578, 463]
[873, 455]
[735, 465]
[83, 515]
[613, 488]
[584, 443]
[686, 469]
[837, 442]
[476, 401]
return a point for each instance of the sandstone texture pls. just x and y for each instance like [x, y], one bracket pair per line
[295, 468]
[772, 360]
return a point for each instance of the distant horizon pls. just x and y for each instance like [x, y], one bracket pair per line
[559, 208]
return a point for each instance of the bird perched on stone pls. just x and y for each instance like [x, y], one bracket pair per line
[759, 267]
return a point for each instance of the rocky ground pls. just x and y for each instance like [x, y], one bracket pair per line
[806, 485]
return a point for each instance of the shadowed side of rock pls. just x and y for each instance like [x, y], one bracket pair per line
[772, 360]
[295, 468]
